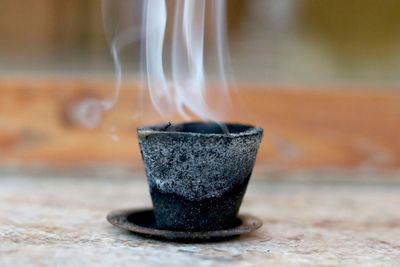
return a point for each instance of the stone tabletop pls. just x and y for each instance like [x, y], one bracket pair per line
[61, 222]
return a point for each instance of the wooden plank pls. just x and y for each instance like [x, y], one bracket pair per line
[304, 128]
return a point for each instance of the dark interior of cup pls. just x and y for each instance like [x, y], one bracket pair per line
[207, 128]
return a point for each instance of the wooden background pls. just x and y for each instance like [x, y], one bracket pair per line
[304, 128]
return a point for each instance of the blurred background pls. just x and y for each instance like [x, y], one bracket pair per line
[287, 41]
[322, 78]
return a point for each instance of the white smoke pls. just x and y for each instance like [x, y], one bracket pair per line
[175, 64]
[178, 67]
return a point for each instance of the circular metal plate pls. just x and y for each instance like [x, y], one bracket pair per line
[142, 222]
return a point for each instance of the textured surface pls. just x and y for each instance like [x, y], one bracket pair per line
[198, 175]
[197, 166]
[54, 222]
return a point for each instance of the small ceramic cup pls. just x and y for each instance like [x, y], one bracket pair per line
[198, 172]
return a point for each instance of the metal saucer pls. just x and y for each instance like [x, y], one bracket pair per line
[142, 222]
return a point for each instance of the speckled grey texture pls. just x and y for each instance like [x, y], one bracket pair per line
[352, 219]
[198, 166]
[198, 173]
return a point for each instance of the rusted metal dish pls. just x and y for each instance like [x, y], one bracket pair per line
[142, 222]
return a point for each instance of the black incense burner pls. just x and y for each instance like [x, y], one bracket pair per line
[198, 172]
